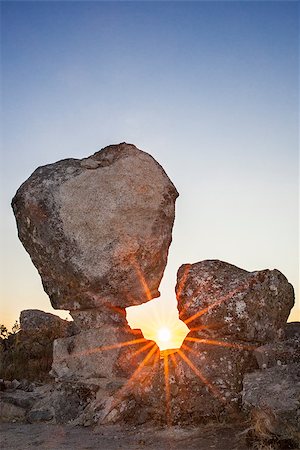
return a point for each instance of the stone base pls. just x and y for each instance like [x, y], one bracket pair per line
[97, 354]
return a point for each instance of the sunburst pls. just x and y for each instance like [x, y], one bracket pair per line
[162, 328]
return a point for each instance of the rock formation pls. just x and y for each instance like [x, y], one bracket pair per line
[98, 229]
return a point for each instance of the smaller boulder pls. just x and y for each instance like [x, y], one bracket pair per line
[11, 413]
[249, 306]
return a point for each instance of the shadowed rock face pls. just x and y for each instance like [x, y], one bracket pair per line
[98, 229]
[250, 306]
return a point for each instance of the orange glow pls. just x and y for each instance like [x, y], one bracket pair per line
[158, 323]
[156, 319]
[109, 347]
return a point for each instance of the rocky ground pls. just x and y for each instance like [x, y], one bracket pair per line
[46, 436]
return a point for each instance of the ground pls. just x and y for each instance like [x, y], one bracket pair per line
[45, 436]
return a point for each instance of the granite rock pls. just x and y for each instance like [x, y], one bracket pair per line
[98, 229]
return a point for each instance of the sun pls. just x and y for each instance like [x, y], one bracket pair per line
[163, 336]
[159, 322]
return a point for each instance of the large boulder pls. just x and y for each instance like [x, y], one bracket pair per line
[249, 306]
[98, 229]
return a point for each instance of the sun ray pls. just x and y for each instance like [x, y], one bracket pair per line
[167, 391]
[206, 327]
[142, 349]
[189, 349]
[108, 347]
[212, 305]
[141, 278]
[225, 297]
[174, 360]
[221, 343]
[124, 390]
[212, 388]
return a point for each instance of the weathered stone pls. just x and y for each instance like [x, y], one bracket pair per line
[15, 384]
[35, 321]
[292, 330]
[19, 398]
[278, 353]
[272, 395]
[96, 354]
[11, 413]
[28, 353]
[250, 306]
[39, 415]
[97, 318]
[98, 229]
[7, 384]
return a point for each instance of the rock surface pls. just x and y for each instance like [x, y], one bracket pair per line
[97, 318]
[292, 330]
[278, 353]
[96, 355]
[35, 321]
[249, 306]
[202, 381]
[98, 229]
[272, 396]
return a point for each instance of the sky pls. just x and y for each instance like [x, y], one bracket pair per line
[209, 89]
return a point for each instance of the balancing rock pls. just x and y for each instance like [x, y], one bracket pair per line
[98, 229]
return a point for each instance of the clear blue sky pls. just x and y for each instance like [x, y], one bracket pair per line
[210, 89]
